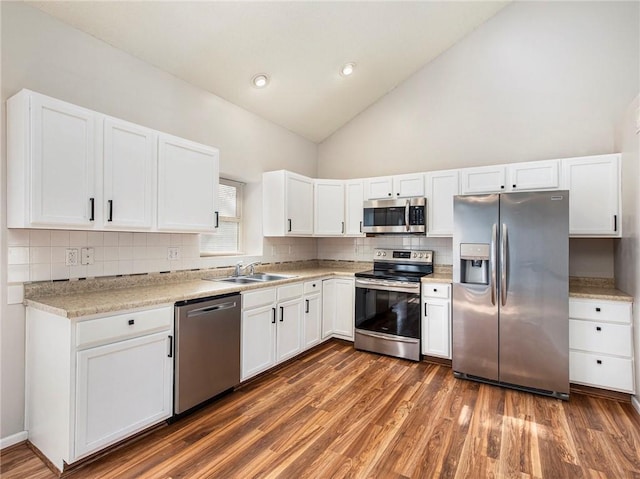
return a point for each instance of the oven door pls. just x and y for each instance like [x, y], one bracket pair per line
[387, 318]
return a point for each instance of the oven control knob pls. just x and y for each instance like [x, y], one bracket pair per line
[384, 253]
[420, 255]
[378, 253]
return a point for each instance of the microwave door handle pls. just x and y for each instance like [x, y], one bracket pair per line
[406, 215]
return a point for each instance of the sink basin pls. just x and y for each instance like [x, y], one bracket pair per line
[253, 278]
[269, 276]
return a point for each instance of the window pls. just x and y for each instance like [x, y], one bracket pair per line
[228, 237]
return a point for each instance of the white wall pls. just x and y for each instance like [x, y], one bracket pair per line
[627, 265]
[47, 56]
[539, 80]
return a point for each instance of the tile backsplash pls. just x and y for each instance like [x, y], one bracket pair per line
[39, 255]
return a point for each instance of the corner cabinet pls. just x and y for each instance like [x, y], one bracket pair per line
[93, 382]
[338, 303]
[51, 163]
[187, 185]
[73, 168]
[287, 204]
[594, 195]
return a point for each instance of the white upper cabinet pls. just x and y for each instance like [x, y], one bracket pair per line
[329, 204]
[287, 204]
[72, 168]
[51, 163]
[400, 186]
[594, 195]
[534, 175]
[441, 187]
[354, 197]
[485, 179]
[129, 175]
[187, 185]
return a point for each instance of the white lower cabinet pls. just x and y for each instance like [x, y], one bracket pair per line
[338, 301]
[272, 327]
[312, 313]
[436, 320]
[601, 344]
[93, 382]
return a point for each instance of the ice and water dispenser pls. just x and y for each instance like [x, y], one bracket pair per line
[475, 263]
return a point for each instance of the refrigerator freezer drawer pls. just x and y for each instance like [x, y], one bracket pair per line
[598, 337]
[611, 311]
[601, 371]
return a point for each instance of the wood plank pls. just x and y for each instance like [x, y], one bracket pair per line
[336, 412]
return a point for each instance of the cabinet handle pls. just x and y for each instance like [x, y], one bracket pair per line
[217, 219]
[597, 310]
[599, 361]
[92, 202]
[598, 328]
[513, 186]
[170, 355]
[361, 227]
[343, 227]
[281, 314]
[306, 308]
[615, 223]
[397, 194]
[289, 220]
[389, 194]
[273, 321]
[502, 187]
[132, 322]
[110, 210]
[435, 290]
[425, 309]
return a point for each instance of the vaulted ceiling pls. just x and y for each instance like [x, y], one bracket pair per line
[220, 46]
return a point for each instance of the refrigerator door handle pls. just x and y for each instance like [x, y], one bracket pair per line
[492, 259]
[503, 265]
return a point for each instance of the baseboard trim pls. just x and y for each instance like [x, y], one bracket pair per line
[636, 404]
[13, 440]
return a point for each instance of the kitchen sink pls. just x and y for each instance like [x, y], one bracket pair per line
[252, 278]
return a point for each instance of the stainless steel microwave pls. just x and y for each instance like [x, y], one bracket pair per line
[404, 215]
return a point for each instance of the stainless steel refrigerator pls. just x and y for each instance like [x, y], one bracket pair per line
[511, 290]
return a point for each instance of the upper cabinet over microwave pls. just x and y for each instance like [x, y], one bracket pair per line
[73, 168]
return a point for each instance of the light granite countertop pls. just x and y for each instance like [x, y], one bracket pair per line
[108, 295]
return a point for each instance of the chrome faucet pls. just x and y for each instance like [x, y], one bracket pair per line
[251, 267]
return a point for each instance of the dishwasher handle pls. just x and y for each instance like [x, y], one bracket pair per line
[210, 309]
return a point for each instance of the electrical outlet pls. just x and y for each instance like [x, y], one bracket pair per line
[173, 253]
[86, 255]
[71, 257]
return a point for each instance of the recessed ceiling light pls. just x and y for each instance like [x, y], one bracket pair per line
[347, 69]
[260, 80]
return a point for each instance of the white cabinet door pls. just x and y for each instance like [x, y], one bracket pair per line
[63, 159]
[378, 188]
[354, 197]
[121, 388]
[299, 191]
[187, 185]
[328, 307]
[436, 328]
[441, 187]
[594, 195]
[486, 179]
[258, 340]
[312, 320]
[289, 334]
[344, 308]
[408, 186]
[329, 208]
[534, 175]
[129, 175]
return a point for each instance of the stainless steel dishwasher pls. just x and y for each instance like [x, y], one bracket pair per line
[207, 349]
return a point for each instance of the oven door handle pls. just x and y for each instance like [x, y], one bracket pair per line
[389, 286]
[399, 339]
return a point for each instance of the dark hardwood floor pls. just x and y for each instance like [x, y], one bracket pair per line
[336, 412]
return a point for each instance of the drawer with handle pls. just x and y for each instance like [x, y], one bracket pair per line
[110, 329]
[611, 311]
[436, 290]
[601, 371]
[600, 337]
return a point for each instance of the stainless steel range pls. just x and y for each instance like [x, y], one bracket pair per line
[388, 303]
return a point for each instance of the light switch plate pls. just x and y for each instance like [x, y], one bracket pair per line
[86, 255]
